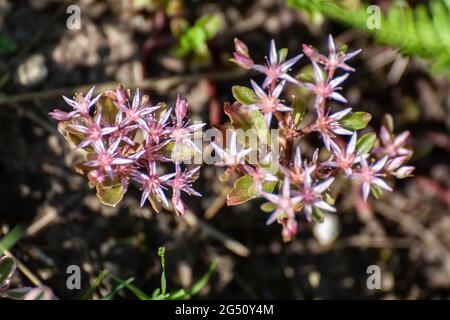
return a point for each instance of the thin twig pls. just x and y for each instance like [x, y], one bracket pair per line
[27, 272]
[217, 204]
[414, 227]
[44, 221]
[156, 84]
[363, 241]
[234, 246]
[34, 118]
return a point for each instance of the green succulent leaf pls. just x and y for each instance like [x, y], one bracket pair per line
[299, 110]
[245, 189]
[108, 109]
[178, 151]
[194, 39]
[282, 54]
[244, 95]
[356, 120]
[365, 143]
[329, 198]
[110, 192]
[197, 40]
[211, 24]
[248, 120]
[16, 293]
[317, 215]
[72, 138]
[7, 270]
[268, 207]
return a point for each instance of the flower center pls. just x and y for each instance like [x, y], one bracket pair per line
[309, 196]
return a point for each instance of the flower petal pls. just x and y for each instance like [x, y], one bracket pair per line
[379, 164]
[273, 55]
[258, 90]
[324, 206]
[338, 97]
[351, 144]
[317, 72]
[383, 185]
[289, 63]
[321, 187]
[366, 190]
[340, 114]
[331, 45]
[336, 81]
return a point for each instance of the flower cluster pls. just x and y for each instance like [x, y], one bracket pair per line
[127, 140]
[306, 185]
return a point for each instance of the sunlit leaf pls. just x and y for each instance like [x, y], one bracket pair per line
[108, 109]
[356, 120]
[268, 207]
[178, 151]
[110, 193]
[72, 138]
[365, 143]
[244, 95]
[248, 120]
[245, 189]
[299, 110]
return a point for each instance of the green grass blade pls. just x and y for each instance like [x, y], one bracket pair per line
[87, 295]
[203, 280]
[161, 253]
[117, 289]
[11, 239]
[136, 291]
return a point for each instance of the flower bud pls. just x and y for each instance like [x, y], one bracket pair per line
[121, 95]
[404, 172]
[241, 47]
[243, 61]
[289, 229]
[310, 52]
[395, 163]
[178, 205]
[181, 109]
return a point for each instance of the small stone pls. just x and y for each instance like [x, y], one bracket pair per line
[32, 71]
[314, 279]
[327, 231]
